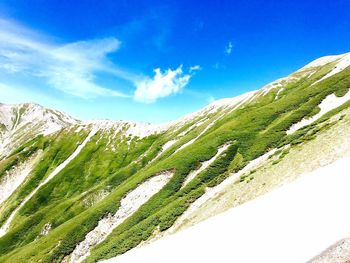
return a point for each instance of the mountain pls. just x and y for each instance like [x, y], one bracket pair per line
[20, 123]
[281, 226]
[73, 191]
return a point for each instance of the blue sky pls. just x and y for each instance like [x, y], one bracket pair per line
[157, 60]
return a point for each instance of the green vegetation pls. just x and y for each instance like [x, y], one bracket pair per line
[116, 166]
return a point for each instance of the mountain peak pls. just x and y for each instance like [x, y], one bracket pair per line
[319, 62]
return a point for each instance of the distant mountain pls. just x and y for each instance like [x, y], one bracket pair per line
[23, 122]
[73, 191]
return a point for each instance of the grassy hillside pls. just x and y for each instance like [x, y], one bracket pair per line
[112, 163]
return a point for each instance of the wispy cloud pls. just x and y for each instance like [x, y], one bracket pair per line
[73, 68]
[161, 85]
[68, 67]
[228, 48]
[219, 65]
[195, 68]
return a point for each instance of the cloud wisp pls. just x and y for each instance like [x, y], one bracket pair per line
[73, 68]
[161, 85]
[69, 68]
[228, 48]
[194, 68]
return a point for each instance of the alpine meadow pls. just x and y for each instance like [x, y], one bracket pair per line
[87, 191]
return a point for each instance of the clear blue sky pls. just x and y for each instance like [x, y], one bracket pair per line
[157, 60]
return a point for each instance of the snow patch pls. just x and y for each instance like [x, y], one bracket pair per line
[25, 121]
[343, 63]
[229, 102]
[15, 177]
[278, 92]
[321, 62]
[165, 146]
[210, 192]
[205, 164]
[134, 129]
[279, 83]
[331, 102]
[213, 107]
[128, 205]
[58, 169]
[199, 135]
[290, 224]
[168, 144]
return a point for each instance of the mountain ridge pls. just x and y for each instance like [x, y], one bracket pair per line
[345, 58]
[78, 176]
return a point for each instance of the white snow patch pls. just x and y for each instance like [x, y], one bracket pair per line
[168, 144]
[28, 119]
[17, 118]
[321, 61]
[213, 107]
[78, 129]
[165, 146]
[15, 177]
[279, 83]
[58, 169]
[188, 143]
[313, 72]
[133, 129]
[205, 164]
[271, 86]
[199, 135]
[128, 205]
[278, 92]
[210, 192]
[343, 63]
[290, 224]
[229, 102]
[329, 103]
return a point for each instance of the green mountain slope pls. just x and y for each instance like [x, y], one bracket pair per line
[75, 177]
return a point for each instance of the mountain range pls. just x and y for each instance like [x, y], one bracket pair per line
[87, 191]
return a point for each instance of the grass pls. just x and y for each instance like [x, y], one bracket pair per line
[252, 129]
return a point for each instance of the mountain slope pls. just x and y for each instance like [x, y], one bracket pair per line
[282, 226]
[71, 182]
[20, 123]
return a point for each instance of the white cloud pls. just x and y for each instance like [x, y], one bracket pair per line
[228, 48]
[161, 85]
[70, 68]
[195, 68]
[73, 68]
